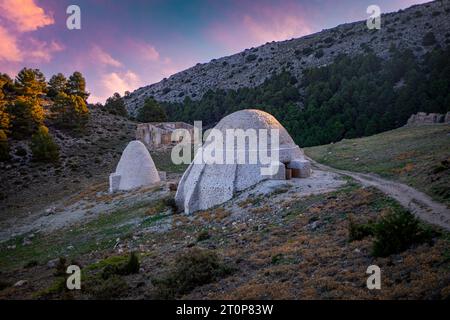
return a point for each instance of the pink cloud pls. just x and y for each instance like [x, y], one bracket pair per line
[101, 56]
[120, 81]
[19, 17]
[114, 82]
[9, 50]
[149, 52]
[42, 51]
[25, 15]
[145, 51]
[259, 24]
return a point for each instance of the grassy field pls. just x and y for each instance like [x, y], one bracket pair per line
[163, 162]
[417, 156]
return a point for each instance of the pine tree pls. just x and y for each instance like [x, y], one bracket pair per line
[116, 105]
[57, 84]
[151, 111]
[43, 147]
[70, 111]
[27, 116]
[77, 86]
[30, 83]
[26, 110]
[4, 147]
[7, 85]
[4, 114]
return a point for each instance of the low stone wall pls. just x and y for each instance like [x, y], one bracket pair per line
[422, 118]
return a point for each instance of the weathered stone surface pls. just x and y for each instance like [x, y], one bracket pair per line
[279, 170]
[162, 175]
[421, 118]
[205, 185]
[159, 134]
[135, 169]
[303, 166]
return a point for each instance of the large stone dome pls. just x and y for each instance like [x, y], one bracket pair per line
[255, 119]
[135, 168]
[205, 185]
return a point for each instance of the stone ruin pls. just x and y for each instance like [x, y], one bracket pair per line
[204, 185]
[135, 169]
[159, 134]
[421, 118]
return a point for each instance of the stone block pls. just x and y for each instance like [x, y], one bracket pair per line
[114, 182]
[303, 168]
[162, 175]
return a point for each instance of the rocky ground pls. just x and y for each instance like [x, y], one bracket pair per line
[279, 240]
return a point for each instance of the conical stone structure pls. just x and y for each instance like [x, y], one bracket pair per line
[135, 169]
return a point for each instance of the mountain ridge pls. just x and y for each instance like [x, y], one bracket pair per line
[251, 67]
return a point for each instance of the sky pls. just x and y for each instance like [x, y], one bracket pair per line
[123, 45]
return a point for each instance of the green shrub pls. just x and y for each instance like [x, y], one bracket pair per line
[131, 266]
[116, 105]
[106, 289]
[319, 54]
[194, 268]
[4, 147]
[203, 235]
[429, 39]
[21, 151]
[357, 231]
[43, 146]
[307, 51]
[61, 267]
[251, 57]
[151, 111]
[396, 232]
[171, 203]
[31, 264]
[4, 284]
[57, 290]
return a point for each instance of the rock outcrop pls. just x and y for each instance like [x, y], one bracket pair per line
[422, 118]
[249, 68]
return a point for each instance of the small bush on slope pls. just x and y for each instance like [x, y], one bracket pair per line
[394, 232]
[130, 266]
[358, 231]
[43, 146]
[192, 269]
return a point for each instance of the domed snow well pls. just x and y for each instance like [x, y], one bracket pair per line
[135, 169]
[205, 184]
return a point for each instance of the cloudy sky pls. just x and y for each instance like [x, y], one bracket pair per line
[123, 45]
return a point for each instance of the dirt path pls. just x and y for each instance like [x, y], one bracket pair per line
[415, 201]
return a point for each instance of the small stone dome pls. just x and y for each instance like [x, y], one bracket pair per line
[135, 169]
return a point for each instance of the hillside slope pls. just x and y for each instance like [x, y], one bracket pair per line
[417, 156]
[405, 29]
[85, 160]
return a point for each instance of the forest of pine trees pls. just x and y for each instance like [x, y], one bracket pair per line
[349, 98]
[24, 117]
